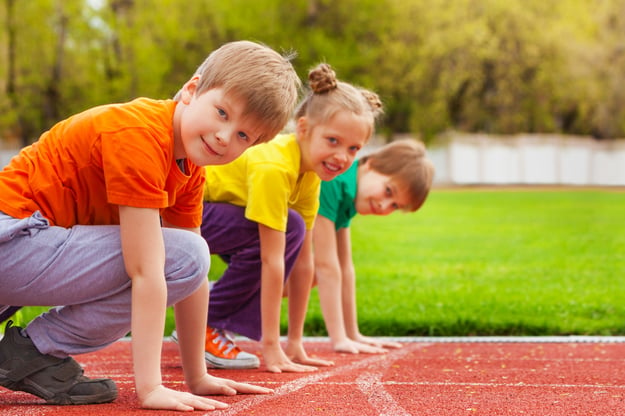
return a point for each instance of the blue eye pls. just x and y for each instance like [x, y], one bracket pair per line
[242, 136]
[222, 113]
[333, 140]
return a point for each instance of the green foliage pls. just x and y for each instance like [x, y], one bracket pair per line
[495, 66]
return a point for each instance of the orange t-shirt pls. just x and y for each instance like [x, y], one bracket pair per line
[85, 166]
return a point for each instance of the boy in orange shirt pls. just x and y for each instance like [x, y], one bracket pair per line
[101, 217]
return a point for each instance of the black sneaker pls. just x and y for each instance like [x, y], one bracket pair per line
[56, 380]
[7, 311]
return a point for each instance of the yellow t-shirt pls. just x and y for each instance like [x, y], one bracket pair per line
[80, 170]
[265, 180]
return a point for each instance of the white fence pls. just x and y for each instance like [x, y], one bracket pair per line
[5, 156]
[528, 159]
[463, 159]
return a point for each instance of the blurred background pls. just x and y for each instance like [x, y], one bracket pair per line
[502, 91]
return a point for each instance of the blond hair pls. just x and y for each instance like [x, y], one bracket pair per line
[327, 96]
[265, 80]
[405, 161]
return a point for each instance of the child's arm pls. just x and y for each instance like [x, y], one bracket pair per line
[272, 245]
[348, 298]
[191, 328]
[144, 258]
[299, 286]
[336, 284]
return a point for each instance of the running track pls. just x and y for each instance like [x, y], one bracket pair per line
[455, 377]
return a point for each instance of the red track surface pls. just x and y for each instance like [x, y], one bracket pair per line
[450, 379]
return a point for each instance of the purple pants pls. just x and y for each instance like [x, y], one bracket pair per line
[235, 298]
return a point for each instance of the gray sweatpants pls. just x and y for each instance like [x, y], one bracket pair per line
[81, 271]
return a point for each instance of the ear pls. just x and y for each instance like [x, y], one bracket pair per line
[189, 89]
[301, 128]
[366, 166]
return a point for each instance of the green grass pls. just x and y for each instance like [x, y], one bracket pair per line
[481, 262]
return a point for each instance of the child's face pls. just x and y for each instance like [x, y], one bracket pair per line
[212, 128]
[378, 194]
[329, 149]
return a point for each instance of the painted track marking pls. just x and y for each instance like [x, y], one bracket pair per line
[379, 361]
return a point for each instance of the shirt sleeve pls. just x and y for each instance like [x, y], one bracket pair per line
[268, 195]
[329, 200]
[135, 169]
[307, 203]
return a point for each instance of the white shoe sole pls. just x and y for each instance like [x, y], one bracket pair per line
[244, 361]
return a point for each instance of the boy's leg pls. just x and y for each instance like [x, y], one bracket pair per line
[235, 298]
[83, 268]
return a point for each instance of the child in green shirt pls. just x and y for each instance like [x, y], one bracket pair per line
[396, 177]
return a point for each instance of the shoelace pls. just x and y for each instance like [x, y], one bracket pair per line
[224, 341]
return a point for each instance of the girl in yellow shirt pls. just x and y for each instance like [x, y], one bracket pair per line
[258, 215]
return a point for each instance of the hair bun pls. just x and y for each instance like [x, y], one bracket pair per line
[322, 79]
[374, 102]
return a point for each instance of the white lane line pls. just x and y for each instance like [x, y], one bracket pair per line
[295, 385]
[467, 383]
[377, 396]
[506, 339]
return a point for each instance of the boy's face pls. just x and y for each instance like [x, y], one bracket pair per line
[378, 194]
[329, 149]
[212, 128]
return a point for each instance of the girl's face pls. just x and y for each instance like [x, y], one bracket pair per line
[329, 149]
[210, 129]
[378, 194]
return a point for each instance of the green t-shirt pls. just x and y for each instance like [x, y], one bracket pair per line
[338, 197]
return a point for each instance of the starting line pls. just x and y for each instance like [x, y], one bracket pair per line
[496, 339]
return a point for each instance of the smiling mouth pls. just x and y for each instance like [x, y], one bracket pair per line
[208, 148]
[332, 167]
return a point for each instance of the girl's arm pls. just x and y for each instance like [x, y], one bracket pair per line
[299, 286]
[272, 245]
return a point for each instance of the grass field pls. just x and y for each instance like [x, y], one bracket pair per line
[486, 262]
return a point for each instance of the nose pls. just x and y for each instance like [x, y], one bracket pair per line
[223, 137]
[342, 156]
[386, 206]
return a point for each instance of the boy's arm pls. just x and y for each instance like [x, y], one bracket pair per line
[272, 245]
[337, 288]
[143, 249]
[348, 300]
[191, 328]
[299, 285]
[144, 258]
[348, 283]
[328, 275]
